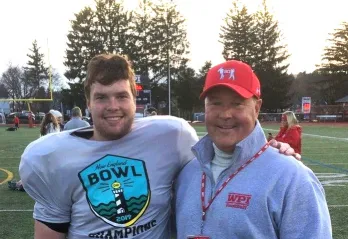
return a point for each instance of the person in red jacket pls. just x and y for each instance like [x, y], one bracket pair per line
[16, 122]
[290, 131]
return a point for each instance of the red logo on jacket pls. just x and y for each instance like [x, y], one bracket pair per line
[238, 200]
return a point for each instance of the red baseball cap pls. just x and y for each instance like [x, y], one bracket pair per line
[235, 75]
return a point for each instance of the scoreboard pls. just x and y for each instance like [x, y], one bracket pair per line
[306, 105]
[143, 97]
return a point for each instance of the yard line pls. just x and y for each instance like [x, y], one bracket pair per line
[336, 153]
[314, 135]
[16, 210]
[327, 163]
[31, 210]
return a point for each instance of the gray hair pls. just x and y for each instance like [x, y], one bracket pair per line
[76, 112]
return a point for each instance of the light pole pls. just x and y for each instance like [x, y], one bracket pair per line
[168, 59]
[169, 100]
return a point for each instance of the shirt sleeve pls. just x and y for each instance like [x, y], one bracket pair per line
[305, 213]
[42, 184]
[187, 138]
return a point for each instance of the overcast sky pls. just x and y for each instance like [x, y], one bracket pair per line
[305, 25]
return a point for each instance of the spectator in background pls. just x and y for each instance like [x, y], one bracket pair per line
[49, 124]
[151, 111]
[16, 122]
[76, 120]
[290, 131]
[59, 118]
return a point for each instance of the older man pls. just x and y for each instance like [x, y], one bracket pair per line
[76, 120]
[237, 186]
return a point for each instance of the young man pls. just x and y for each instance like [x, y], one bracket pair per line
[238, 187]
[113, 180]
[76, 120]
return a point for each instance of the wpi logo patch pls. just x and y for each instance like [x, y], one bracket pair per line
[117, 189]
[238, 200]
[230, 73]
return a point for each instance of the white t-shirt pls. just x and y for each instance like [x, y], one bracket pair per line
[109, 189]
[51, 129]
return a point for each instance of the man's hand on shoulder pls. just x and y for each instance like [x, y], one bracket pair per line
[284, 148]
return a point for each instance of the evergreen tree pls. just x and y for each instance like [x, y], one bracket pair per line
[256, 40]
[43, 106]
[335, 64]
[270, 53]
[171, 39]
[74, 96]
[270, 62]
[238, 35]
[185, 91]
[83, 44]
[3, 91]
[142, 39]
[112, 23]
[202, 74]
[93, 32]
[335, 59]
[308, 84]
[35, 73]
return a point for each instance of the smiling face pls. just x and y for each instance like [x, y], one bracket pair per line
[229, 118]
[112, 108]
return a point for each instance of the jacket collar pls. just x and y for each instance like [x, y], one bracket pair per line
[204, 150]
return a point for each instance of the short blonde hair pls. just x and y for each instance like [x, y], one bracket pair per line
[290, 118]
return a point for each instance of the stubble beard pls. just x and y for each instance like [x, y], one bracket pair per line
[106, 134]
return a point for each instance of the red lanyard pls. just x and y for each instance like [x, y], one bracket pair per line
[205, 208]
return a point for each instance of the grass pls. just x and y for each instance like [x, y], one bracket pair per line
[327, 157]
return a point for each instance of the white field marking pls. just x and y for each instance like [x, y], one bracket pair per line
[327, 163]
[16, 210]
[314, 135]
[31, 210]
[344, 153]
[333, 179]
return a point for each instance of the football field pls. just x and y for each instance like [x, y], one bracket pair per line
[325, 151]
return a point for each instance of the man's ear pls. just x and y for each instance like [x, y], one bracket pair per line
[88, 105]
[258, 104]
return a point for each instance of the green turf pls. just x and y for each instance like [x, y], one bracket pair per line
[323, 156]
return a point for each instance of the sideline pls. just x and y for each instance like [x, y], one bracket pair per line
[31, 210]
[313, 135]
[9, 176]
